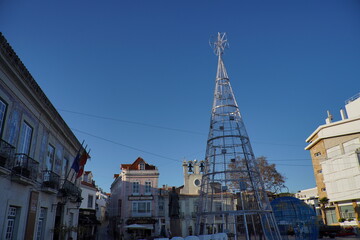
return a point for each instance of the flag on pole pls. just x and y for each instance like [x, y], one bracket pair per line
[82, 161]
[75, 164]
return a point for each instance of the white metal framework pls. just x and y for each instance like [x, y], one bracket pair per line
[232, 197]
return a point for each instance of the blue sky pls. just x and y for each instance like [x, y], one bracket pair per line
[145, 69]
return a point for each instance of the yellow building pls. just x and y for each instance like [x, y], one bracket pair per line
[335, 153]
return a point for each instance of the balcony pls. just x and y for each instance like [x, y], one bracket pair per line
[50, 182]
[25, 169]
[6, 157]
[70, 190]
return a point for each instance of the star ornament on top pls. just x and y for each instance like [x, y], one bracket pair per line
[219, 43]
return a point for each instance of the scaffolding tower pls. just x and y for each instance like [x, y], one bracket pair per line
[232, 196]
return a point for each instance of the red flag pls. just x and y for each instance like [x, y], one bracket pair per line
[82, 161]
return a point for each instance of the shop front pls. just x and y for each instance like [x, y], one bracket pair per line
[139, 228]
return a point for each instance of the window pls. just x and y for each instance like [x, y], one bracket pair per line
[218, 207]
[317, 154]
[71, 219]
[3, 107]
[135, 187]
[197, 182]
[142, 166]
[90, 201]
[161, 206]
[347, 212]
[196, 207]
[25, 138]
[147, 187]
[141, 208]
[57, 161]
[50, 157]
[119, 207]
[11, 223]
[331, 216]
[41, 224]
[65, 167]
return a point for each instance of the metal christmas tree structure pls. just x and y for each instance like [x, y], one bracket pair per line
[232, 196]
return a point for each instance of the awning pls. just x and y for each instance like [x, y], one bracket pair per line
[135, 226]
[138, 226]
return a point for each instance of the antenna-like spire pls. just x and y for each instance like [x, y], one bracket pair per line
[219, 44]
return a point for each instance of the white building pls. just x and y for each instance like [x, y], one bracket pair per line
[335, 152]
[87, 211]
[311, 198]
[37, 149]
[102, 200]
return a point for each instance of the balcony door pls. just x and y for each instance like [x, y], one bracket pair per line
[25, 138]
[50, 157]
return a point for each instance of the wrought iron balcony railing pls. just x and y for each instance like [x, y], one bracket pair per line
[7, 152]
[50, 180]
[25, 166]
[69, 189]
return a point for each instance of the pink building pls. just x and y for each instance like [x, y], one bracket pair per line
[134, 201]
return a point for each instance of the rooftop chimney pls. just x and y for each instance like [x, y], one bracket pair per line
[329, 118]
[343, 114]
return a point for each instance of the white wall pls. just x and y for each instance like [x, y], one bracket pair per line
[85, 194]
[353, 108]
[342, 173]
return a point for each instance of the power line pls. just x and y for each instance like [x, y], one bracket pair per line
[132, 122]
[155, 154]
[162, 127]
[127, 146]
[177, 160]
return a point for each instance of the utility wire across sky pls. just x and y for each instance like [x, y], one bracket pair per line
[161, 127]
[178, 160]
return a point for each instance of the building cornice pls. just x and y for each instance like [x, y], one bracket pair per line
[141, 172]
[29, 82]
[321, 128]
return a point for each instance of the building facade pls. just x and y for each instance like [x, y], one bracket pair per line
[134, 201]
[335, 153]
[189, 195]
[88, 222]
[101, 205]
[36, 152]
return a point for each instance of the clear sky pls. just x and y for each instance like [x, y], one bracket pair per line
[136, 78]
